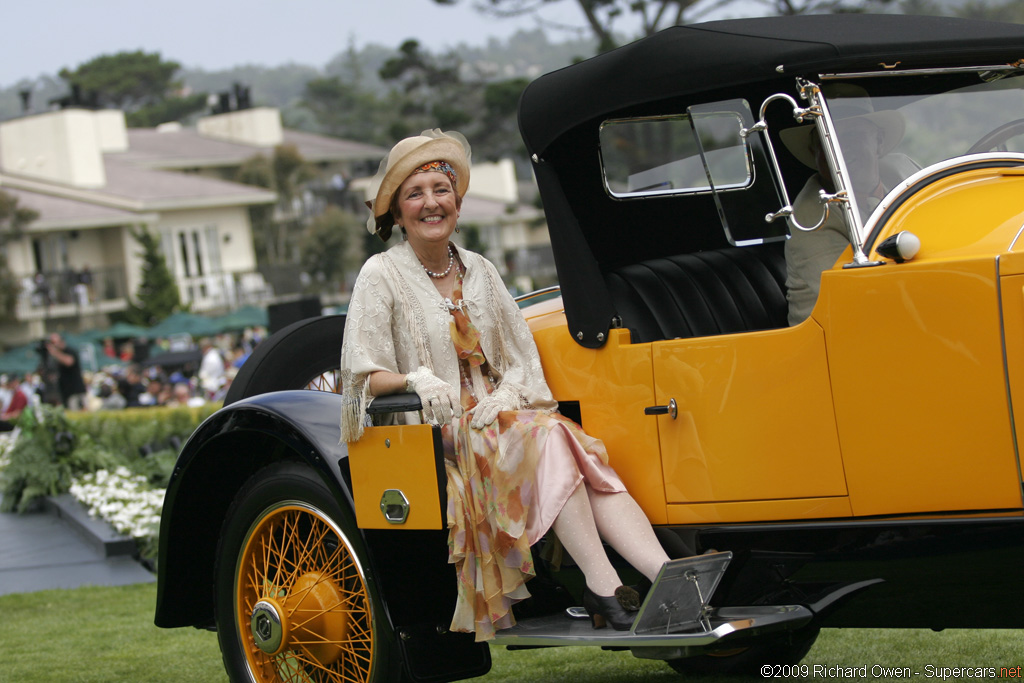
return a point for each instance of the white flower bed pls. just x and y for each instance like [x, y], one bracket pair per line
[122, 499]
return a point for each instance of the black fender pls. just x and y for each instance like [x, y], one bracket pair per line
[226, 449]
[411, 568]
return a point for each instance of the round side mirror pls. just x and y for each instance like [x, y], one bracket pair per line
[900, 247]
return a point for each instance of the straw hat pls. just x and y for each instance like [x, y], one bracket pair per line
[404, 158]
[850, 102]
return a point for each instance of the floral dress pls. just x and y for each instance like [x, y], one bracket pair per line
[506, 485]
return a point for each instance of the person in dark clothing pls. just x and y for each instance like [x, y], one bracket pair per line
[70, 382]
[131, 386]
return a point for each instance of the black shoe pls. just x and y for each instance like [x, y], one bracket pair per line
[619, 610]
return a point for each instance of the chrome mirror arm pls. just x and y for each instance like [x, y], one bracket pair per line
[818, 110]
[825, 198]
[761, 126]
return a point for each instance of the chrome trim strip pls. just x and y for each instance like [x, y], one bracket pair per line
[538, 292]
[1013, 242]
[1006, 371]
[935, 169]
[1010, 68]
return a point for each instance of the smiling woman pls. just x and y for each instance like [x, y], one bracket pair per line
[433, 319]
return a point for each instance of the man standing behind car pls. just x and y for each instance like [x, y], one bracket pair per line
[867, 138]
[69, 372]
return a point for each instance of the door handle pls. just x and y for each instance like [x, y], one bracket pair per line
[671, 409]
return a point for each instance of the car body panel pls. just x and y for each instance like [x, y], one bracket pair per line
[755, 418]
[230, 446]
[921, 392]
[969, 213]
[398, 459]
[612, 386]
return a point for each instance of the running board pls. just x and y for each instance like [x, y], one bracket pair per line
[560, 629]
[675, 614]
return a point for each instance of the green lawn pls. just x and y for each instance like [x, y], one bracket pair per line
[107, 634]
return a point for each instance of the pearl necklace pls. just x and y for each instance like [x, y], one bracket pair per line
[451, 262]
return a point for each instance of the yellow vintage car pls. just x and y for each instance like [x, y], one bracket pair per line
[791, 303]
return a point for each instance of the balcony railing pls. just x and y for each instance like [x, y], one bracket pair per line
[60, 294]
[52, 295]
[225, 291]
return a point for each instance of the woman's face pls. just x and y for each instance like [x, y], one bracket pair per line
[428, 207]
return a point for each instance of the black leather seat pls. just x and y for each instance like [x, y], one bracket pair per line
[736, 289]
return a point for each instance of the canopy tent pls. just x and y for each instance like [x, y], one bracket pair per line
[24, 359]
[20, 360]
[246, 316]
[121, 330]
[183, 322]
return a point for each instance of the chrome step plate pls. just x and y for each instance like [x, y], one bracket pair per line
[679, 597]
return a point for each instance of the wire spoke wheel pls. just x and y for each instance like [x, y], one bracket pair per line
[304, 355]
[329, 382]
[303, 613]
[294, 604]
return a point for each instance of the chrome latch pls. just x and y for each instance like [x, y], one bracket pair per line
[671, 409]
[394, 506]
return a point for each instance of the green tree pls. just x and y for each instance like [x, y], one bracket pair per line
[170, 109]
[1011, 10]
[13, 221]
[432, 92]
[276, 230]
[139, 83]
[344, 110]
[157, 296]
[496, 132]
[256, 171]
[326, 247]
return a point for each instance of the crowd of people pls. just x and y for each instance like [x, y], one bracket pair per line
[128, 380]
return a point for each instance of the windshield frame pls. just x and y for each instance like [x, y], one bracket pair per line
[861, 225]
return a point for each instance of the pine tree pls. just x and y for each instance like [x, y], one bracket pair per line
[13, 220]
[157, 296]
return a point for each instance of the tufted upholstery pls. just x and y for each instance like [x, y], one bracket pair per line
[735, 289]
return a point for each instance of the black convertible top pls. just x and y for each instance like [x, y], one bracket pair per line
[560, 114]
[720, 54]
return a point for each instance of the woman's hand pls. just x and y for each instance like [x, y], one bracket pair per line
[441, 401]
[486, 411]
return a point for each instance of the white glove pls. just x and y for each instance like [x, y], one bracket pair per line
[486, 411]
[441, 401]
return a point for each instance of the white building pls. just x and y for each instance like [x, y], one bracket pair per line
[93, 181]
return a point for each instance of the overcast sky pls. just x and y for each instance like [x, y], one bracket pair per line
[42, 36]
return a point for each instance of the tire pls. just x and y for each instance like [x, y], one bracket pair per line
[292, 597]
[786, 648]
[304, 355]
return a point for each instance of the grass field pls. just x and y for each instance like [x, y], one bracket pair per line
[107, 634]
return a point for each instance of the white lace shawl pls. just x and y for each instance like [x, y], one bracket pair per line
[397, 321]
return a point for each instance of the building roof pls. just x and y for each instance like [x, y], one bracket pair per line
[151, 189]
[180, 148]
[65, 213]
[146, 176]
[130, 190]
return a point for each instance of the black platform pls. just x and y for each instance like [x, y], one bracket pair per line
[58, 546]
